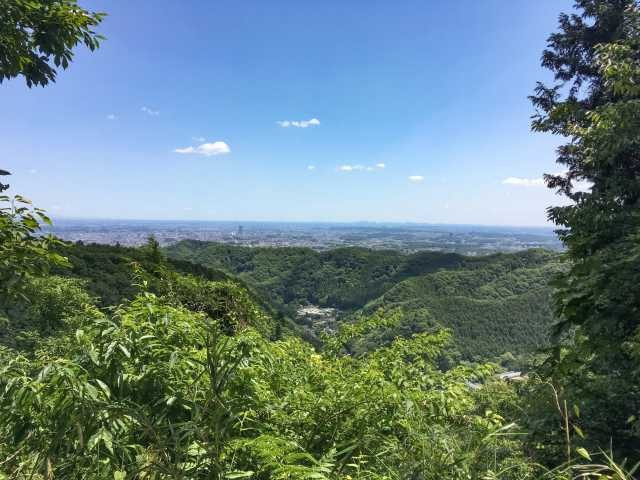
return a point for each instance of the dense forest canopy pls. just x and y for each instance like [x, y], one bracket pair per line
[128, 363]
[493, 304]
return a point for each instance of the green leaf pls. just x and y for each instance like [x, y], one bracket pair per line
[101, 435]
[107, 438]
[21, 199]
[124, 350]
[583, 453]
[104, 387]
[239, 474]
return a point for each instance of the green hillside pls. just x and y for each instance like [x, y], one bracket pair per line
[107, 269]
[493, 304]
[103, 277]
[345, 278]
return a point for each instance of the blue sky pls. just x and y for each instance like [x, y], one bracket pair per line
[433, 91]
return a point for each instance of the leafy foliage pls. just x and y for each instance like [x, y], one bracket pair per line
[23, 253]
[109, 270]
[597, 54]
[51, 301]
[38, 36]
[160, 391]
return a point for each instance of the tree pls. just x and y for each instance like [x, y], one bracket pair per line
[34, 34]
[24, 252]
[38, 36]
[152, 249]
[595, 104]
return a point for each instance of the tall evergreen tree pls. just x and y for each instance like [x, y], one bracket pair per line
[595, 104]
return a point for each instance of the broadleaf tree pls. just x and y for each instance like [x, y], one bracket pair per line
[37, 37]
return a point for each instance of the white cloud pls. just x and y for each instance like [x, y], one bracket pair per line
[311, 167]
[360, 168]
[351, 168]
[299, 123]
[206, 149]
[578, 185]
[111, 116]
[148, 111]
[416, 178]
[524, 182]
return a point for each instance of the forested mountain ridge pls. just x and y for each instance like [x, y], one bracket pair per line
[107, 269]
[103, 276]
[496, 305]
[493, 304]
[344, 277]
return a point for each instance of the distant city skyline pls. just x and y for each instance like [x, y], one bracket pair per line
[288, 112]
[466, 239]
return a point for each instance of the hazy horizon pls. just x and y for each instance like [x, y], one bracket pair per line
[414, 112]
[406, 237]
[547, 227]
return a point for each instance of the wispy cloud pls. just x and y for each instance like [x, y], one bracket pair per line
[311, 167]
[351, 168]
[111, 116]
[206, 149]
[416, 178]
[578, 185]
[198, 139]
[524, 182]
[298, 123]
[149, 111]
[33, 171]
[360, 168]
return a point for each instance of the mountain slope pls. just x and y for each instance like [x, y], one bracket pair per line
[345, 278]
[493, 307]
[493, 304]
